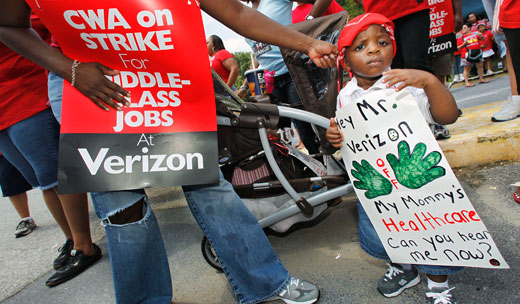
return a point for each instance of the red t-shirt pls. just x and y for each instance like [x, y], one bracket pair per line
[509, 12]
[473, 40]
[460, 41]
[394, 9]
[216, 64]
[23, 84]
[301, 11]
[488, 40]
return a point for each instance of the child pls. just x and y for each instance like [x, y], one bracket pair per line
[471, 42]
[487, 45]
[367, 45]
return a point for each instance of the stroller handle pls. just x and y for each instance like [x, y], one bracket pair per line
[304, 116]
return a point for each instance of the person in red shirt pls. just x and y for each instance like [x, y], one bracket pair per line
[222, 61]
[486, 45]
[29, 135]
[471, 41]
[302, 10]
[412, 29]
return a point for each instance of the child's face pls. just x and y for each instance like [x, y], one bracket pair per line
[370, 54]
[482, 28]
[465, 29]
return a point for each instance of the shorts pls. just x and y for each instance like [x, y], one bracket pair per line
[12, 181]
[488, 53]
[31, 146]
[442, 64]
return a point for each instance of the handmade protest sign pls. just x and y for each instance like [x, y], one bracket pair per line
[168, 134]
[442, 22]
[416, 204]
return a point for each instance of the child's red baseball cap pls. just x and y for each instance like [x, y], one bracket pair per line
[359, 24]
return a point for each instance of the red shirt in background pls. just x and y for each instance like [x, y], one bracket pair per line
[488, 41]
[460, 41]
[301, 11]
[394, 9]
[23, 84]
[473, 40]
[216, 64]
[509, 14]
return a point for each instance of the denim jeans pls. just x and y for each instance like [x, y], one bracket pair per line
[285, 92]
[457, 68]
[55, 91]
[139, 262]
[31, 146]
[371, 244]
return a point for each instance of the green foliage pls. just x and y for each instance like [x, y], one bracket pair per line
[244, 62]
[351, 7]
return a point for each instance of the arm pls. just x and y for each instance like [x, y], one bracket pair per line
[457, 13]
[232, 66]
[334, 135]
[319, 6]
[17, 34]
[239, 18]
[442, 104]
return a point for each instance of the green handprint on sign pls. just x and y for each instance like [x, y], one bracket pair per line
[371, 180]
[413, 171]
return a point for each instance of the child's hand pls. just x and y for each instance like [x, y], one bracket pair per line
[334, 135]
[414, 78]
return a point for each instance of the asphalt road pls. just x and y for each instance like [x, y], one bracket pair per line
[496, 90]
[326, 253]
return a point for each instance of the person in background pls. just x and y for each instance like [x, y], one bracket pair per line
[471, 41]
[270, 58]
[457, 58]
[222, 61]
[487, 46]
[472, 20]
[302, 10]
[15, 187]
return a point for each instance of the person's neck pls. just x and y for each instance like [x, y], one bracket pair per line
[367, 82]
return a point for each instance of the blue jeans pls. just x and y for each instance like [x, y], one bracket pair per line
[139, 262]
[285, 92]
[31, 146]
[55, 91]
[371, 244]
[457, 68]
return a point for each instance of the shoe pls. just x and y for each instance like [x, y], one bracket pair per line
[470, 85]
[440, 131]
[24, 227]
[499, 65]
[76, 264]
[489, 72]
[441, 296]
[461, 77]
[509, 111]
[483, 81]
[516, 195]
[397, 279]
[455, 78]
[298, 292]
[64, 254]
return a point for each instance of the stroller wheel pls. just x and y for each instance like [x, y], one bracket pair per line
[209, 255]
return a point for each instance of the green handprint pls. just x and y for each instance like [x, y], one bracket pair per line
[413, 171]
[370, 179]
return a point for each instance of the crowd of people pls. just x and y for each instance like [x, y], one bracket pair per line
[395, 32]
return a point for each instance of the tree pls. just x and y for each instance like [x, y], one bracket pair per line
[244, 62]
[351, 7]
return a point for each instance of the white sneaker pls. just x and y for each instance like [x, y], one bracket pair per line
[461, 77]
[455, 78]
[489, 72]
[509, 111]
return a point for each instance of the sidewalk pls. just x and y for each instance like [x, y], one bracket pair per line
[476, 140]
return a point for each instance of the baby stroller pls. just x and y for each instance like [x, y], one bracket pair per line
[278, 183]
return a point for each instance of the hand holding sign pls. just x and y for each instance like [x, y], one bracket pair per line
[370, 179]
[412, 171]
[91, 81]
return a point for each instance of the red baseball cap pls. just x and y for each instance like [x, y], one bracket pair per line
[361, 23]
